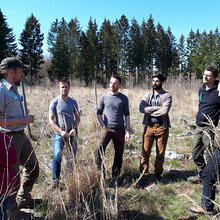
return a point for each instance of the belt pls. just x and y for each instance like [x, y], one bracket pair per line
[15, 132]
[156, 124]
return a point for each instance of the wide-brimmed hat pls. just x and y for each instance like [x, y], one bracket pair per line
[11, 62]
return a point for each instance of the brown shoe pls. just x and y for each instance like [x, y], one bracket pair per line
[28, 203]
[53, 185]
[200, 210]
[194, 179]
[16, 214]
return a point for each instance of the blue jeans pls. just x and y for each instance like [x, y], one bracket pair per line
[210, 176]
[3, 208]
[58, 145]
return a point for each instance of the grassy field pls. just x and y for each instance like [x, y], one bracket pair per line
[82, 196]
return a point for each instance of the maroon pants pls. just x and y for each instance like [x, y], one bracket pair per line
[151, 133]
[118, 137]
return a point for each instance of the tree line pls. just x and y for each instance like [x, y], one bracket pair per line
[135, 51]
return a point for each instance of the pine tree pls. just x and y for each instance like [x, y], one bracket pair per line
[182, 56]
[31, 41]
[73, 41]
[122, 32]
[8, 47]
[109, 46]
[58, 40]
[135, 58]
[174, 70]
[164, 51]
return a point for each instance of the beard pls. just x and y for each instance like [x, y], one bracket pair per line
[155, 87]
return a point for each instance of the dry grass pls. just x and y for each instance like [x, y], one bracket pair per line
[84, 197]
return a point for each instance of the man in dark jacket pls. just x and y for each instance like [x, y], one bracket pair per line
[208, 114]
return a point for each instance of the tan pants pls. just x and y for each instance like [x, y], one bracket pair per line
[151, 133]
[27, 159]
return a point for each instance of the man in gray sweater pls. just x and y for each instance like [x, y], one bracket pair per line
[155, 106]
[115, 107]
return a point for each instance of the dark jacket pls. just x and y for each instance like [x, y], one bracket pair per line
[8, 157]
[209, 105]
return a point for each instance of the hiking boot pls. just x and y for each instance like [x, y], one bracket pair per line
[200, 210]
[142, 183]
[16, 214]
[194, 179]
[53, 185]
[158, 177]
[28, 203]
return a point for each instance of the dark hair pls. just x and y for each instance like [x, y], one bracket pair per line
[160, 76]
[117, 77]
[212, 69]
[64, 81]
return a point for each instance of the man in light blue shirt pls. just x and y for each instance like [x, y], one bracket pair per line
[13, 122]
[64, 118]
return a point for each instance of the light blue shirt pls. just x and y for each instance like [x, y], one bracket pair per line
[10, 105]
[64, 112]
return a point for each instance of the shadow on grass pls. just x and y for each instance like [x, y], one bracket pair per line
[177, 176]
[129, 177]
[137, 215]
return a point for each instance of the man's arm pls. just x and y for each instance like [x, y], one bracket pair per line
[100, 119]
[16, 121]
[55, 126]
[164, 109]
[127, 124]
[146, 109]
[76, 124]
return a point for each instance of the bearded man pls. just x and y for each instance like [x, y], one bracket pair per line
[155, 106]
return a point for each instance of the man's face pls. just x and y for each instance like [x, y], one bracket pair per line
[157, 84]
[64, 89]
[208, 77]
[114, 84]
[18, 74]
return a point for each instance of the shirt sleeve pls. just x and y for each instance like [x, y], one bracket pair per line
[126, 107]
[101, 106]
[2, 101]
[52, 107]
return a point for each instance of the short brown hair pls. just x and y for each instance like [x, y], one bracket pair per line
[117, 77]
[64, 81]
[212, 69]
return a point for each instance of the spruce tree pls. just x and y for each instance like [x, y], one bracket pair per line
[8, 46]
[58, 40]
[31, 53]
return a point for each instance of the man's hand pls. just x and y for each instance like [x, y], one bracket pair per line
[64, 133]
[72, 132]
[27, 119]
[127, 136]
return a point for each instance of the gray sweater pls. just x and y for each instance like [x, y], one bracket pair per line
[156, 111]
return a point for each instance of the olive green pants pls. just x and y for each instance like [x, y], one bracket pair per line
[203, 140]
[30, 172]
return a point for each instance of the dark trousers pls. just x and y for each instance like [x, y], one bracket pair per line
[202, 140]
[118, 137]
[210, 176]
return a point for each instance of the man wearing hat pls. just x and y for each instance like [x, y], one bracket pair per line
[12, 122]
[155, 105]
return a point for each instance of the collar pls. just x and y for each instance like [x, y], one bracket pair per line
[7, 84]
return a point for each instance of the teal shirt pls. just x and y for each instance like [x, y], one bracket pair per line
[10, 105]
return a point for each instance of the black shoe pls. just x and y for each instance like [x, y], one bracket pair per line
[142, 183]
[158, 177]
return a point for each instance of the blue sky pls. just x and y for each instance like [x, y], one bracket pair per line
[181, 16]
